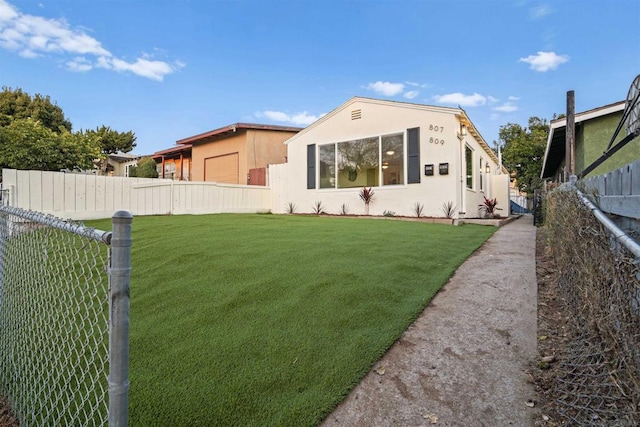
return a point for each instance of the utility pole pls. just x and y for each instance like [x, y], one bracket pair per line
[570, 141]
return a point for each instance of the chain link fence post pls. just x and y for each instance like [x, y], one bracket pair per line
[119, 281]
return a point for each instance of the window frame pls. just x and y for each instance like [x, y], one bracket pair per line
[468, 156]
[380, 173]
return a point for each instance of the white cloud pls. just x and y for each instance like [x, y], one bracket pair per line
[28, 53]
[492, 100]
[7, 12]
[507, 107]
[155, 70]
[386, 88]
[461, 99]
[411, 94]
[513, 98]
[298, 119]
[79, 64]
[33, 36]
[545, 61]
[420, 85]
[539, 12]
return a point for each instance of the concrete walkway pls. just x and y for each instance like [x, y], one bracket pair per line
[463, 361]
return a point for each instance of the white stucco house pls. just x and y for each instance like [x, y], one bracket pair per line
[408, 153]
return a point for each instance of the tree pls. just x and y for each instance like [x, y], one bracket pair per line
[146, 169]
[523, 151]
[112, 141]
[16, 104]
[27, 144]
[34, 134]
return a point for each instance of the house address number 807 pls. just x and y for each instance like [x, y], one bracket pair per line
[436, 128]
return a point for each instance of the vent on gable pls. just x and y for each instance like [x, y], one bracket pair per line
[356, 114]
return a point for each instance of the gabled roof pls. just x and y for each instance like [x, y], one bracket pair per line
[458, 112]
[556, 141]
[226, 131]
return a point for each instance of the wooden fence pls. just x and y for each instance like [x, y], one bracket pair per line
[80, 196]
[617, 192]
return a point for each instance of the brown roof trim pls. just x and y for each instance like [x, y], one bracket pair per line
[171, 151]
[226, 130]
[594, 111]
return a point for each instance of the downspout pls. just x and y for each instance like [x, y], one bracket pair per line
[462, 209]
[181, 163]
[162, 167]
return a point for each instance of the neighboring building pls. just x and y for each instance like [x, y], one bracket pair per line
[593, 131]
[409, 153]
[238, 153]
[174, 163]
[118, 164]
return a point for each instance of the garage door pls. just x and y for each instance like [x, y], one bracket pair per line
[222, 168]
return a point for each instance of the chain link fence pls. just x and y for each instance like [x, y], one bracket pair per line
[59, 322]
[598, 380]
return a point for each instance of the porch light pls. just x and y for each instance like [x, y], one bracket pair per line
[390, 153]
[384, 166]
[488, 168]
[463, 130]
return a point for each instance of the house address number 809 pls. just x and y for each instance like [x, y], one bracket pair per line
[436, 128]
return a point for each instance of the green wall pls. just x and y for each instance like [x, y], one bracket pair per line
[592, 138]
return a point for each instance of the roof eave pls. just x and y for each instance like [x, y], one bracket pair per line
[233, 128]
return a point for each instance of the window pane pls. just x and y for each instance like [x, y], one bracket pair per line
[392, 160]
[358, 163]
[327, 166]
[469, 160]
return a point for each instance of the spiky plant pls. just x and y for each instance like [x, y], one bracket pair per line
[317, 208]
[366, 194]
[418, 209]
[449, 209]
[489, 207]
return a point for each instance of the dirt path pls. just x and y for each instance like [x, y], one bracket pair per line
[466, 360]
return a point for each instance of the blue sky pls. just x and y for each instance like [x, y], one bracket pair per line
[168, 70]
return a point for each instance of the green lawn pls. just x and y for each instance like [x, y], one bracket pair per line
[270, 319]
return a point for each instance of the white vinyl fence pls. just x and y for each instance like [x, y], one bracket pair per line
[278, 183]
[80, 196]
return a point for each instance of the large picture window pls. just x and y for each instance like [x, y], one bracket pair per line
[358, 163]
[468, 156]
[367, 162]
